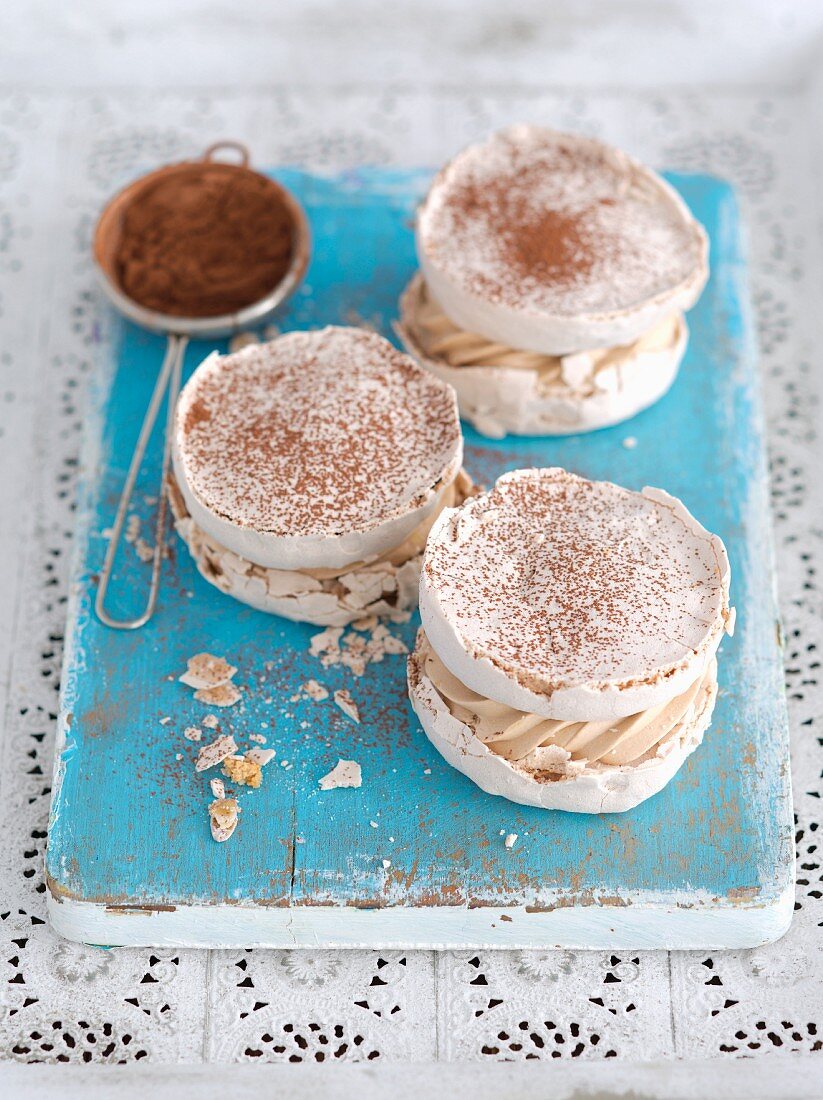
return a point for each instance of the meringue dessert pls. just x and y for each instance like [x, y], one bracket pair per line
[309, 470]
[567, 657]
[554, 273]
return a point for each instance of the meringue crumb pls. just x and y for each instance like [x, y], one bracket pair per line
[326, 644]
[178, 756]
[373, 824]
[630, 442]
[386, 864]
[367, 641]
[315, 690]
[215, 752]
[165, 721]
[258, 738]
[731, 619]
[132, 528]
[347, 704]
[427, 771]
[218, 787]
[143, 550]
[510, 840]
[345, 773]
[223, 818]
[204, 670]
[224, 695]
[260, 756]
[388, 643]
[242, 771]
[211, 721]
[243, 340]
[192, 733]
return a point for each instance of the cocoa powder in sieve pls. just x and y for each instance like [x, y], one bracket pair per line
[201, 240]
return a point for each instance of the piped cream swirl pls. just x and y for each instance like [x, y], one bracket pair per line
[523, 738]
[440, 339]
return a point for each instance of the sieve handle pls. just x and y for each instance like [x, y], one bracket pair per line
[235, 146]
[167, 379]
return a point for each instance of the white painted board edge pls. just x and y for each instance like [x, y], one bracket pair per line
[638, 926]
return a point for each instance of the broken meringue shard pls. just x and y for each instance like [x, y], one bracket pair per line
[346, 773]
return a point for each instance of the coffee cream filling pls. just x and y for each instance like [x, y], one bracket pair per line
[440, 339]
[532, 742]
[389, 578]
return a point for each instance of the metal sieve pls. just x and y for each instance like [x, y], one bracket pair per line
[178, 330]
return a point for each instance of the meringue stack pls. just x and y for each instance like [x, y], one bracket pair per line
[567, 655]
[309, 470]
[554, 274]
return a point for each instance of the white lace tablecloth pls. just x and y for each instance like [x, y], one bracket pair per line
[60, 157]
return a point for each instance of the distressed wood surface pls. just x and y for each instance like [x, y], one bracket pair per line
[707, 862]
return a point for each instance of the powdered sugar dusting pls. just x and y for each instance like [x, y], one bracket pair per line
[316, 433]
[557, 224]
[560, 580]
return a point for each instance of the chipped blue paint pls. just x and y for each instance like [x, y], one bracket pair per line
[129, 823]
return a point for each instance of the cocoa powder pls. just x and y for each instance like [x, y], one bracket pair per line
[202, 240]
[551, 246]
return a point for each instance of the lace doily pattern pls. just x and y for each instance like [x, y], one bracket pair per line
[60, 1002]
[358, 1005]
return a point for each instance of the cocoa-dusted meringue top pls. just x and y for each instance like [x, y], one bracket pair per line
[555, 581]
[560, 224]
[315, 434]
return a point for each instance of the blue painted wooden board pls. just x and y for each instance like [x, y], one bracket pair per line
[706, 863]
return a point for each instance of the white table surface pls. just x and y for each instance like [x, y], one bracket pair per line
[92, 96]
